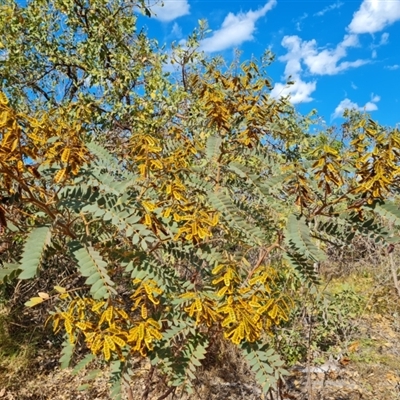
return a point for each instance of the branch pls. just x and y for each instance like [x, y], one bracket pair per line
[265, 253]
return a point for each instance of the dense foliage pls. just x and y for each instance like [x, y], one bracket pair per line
[185, 201]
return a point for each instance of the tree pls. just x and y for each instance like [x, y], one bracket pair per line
[181, 201]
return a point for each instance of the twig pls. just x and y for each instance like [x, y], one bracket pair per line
[265, 253]
[309, 383]
[167, 393]
[129, 391]
[394, 273]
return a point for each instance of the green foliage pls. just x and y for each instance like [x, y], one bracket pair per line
[327, 320]
[116, 379]
[180, 365]
[8, 272]
[234, 217]
[304, 267]
[83, 363]
[35, 245]
[66, 354]
[92, 266]
[299, 237]
[265, 363]
[389, 210]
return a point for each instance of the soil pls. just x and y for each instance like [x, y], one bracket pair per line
[370, 369]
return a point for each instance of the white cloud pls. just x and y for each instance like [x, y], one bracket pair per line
[176, 30]
[375, 98]
[168, 10]
[333, 6]
[299, 21]
[353, 85]
[392, 67]
[384, 39]
[297, 50]
[236, 29]
[370, 106]
[306, 57]
[327, 61]
[324, 62]
[348, 104]
[299, 92]
[317, 62]
[375, 15]
[349, 41]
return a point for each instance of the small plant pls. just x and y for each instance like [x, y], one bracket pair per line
[327, 322]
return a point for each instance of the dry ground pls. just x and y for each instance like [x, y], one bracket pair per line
[371, 370]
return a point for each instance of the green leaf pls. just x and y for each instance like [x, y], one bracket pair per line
[233, 215]
[213, 146]
[92, 374]
[8, 272]
[92, 266]
[35, 245]
[264, 184]
[298, 233]
[83, 363]
[12, 227]
[116, 380]
[264, 363]
[301, 264]
[389, 210]
[101, 153]
[135, 239]
[66, 353]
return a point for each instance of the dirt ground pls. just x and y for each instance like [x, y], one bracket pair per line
[369, 370]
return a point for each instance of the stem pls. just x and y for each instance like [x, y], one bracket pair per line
[129, 391]
[394, 273]
[309, 382]
[167, 393]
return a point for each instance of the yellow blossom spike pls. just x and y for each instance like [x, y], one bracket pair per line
[106, 351]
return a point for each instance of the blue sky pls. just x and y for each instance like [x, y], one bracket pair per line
[341, 54]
